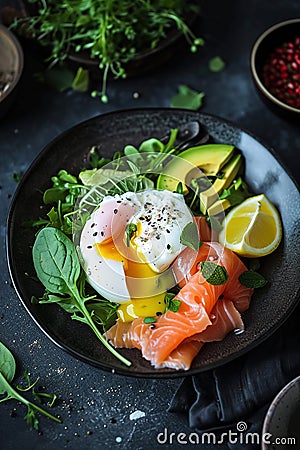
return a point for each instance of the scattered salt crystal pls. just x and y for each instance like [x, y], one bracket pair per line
[137, 415]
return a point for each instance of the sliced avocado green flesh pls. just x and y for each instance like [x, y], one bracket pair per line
[209, 158]
[218, 207]
[211, 195]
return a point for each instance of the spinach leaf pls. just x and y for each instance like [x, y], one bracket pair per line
[55, 261]
[58, 268]
[252, 279]
[7, 365]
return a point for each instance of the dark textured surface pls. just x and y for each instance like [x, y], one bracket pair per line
[90, 399]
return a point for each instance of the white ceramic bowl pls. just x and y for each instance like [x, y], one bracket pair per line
[281, 428]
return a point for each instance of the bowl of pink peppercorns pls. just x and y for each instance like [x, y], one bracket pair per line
[275, 67]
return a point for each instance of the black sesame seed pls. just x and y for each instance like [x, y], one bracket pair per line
[95, 234]
[115, 211]
[168, 246]
[89, 246]
[168, 231]
[152, 326]
[158, 313]
[102, 233]
[93, 225]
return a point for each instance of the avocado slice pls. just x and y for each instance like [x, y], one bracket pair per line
[211, 195]
[218, 207]
[209, 158]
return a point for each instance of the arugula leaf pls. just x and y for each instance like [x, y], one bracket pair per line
[252, 279]
[172, 304]
[189, 236]
[236, 193]
[216, 64]
[95, 160]
[7, 373]
[58, 268]
[81, 80]
[187, 98]
[213, 273]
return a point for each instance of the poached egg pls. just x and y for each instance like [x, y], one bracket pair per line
[128, 245]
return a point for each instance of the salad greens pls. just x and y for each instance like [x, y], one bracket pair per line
[58, 268]
[7, 374]
[111, 32]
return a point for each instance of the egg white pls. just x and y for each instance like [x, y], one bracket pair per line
[160, 216]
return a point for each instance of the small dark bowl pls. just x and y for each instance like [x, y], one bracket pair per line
[144, 61]
[264, 45]
[11, 68]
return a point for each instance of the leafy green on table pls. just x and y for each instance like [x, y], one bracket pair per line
[187, 98]
[216, 64]
[7, 374]
[58, 268]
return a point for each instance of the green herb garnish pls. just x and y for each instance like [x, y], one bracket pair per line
[7, 374]
[236, 193]
[172, 304]
[130, 230]
[149, 320]
[189, 236]
[213, 273]
[58, 268]
[252, 279]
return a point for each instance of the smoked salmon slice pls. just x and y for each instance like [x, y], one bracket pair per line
[207, 312]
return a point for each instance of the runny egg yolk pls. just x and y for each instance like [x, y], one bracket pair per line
[141, 282]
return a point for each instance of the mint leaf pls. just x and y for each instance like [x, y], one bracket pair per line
[172, 304]
[236, 193]
[216, 64]
[252, 279]
[213, 273]
[189, 236]
[187, 98]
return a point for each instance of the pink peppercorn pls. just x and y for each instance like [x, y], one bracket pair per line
[281, 72]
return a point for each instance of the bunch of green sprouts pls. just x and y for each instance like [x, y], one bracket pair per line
[112, 32]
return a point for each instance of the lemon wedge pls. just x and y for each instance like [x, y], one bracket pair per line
[253, 228]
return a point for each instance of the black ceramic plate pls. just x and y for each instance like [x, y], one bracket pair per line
[270, 306]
